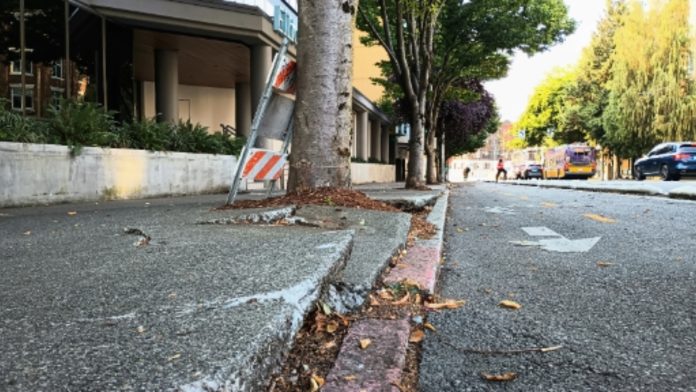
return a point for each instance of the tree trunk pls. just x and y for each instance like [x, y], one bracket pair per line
[323, 109]
[431, 154]
[414, 176]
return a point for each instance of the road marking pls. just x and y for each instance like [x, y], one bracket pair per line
[541, 231]
[499, 210]
[559, 244]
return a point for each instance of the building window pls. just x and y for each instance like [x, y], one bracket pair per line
[16, 97]
[15, 68]
[56, 96]
[57, 70]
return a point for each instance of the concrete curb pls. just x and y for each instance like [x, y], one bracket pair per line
[422, 262]
[376, 367]
[379, 367]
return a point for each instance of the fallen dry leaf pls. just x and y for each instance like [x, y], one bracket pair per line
[172, 296]
[447, 304]
[140, 329]
[28, 232]
[417, 299]
[549, 205]
[410, 283]
[72, 213]
[313, 385]
[459, 230]
[332, 326]
[373, 301]
[352, 377]
[318, 381]
[599, 218]
[509, 304]
[507, 376]
[174, 357]
[604, 264]
[552, 348]
[398, 386]
[403, 301]
[417, 336]
[364, 343]
[430, 327]
[386, 294]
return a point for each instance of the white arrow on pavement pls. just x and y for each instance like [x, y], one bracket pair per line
[558, 243]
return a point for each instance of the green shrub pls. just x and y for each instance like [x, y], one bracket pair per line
[78, 124]
[147, 135]
[16, 128]
[228, 145]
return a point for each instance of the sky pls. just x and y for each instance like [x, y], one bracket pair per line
[512, 93]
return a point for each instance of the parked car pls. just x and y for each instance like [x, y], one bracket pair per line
[670, 161]
[529, 170]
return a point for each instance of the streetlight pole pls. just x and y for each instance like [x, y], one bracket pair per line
[22, 56]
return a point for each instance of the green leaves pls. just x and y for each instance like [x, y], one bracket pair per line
[80, 124]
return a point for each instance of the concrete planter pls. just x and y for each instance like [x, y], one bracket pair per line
[363, 173]
[45, 173]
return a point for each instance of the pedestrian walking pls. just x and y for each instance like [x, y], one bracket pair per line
[467, 170]
[501, 169]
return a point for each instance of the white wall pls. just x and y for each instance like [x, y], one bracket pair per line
[45, 173]
[209, 106]
[363, 173]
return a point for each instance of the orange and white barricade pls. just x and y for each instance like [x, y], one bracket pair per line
[264, 165]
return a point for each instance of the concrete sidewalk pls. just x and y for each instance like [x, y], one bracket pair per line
[139, 295]
[674, 190]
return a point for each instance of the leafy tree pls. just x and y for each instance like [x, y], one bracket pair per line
[549, 112]
[594, 70]
[467, 124]
[44, 29]
[323, 115]
[651, 95]
[435, 45]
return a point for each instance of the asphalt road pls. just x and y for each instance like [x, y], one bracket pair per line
[624, 312]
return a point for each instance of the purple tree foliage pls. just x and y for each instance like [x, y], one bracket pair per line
[466, 124]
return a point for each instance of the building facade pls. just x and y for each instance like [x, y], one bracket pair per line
[204, 61]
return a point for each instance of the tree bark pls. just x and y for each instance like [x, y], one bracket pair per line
[414, 177]
[321, 150]
[431, 154]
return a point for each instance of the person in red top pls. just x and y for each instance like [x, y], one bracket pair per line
[501, 169]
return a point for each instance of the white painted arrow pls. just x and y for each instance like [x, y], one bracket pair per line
[558, 243]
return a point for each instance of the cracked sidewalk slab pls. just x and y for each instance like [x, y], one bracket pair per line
[202, 306]
[250, 215]
[378, 236]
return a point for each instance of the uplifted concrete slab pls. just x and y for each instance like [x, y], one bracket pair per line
[378, 236]
[250, 215]
[199, 307]
[405, 199]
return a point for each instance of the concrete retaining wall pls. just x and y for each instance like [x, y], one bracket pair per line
[363, 173]
[44, 173]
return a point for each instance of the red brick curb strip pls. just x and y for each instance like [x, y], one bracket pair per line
[420, 265]
[379, 365]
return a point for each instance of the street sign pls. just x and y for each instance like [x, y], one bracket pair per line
[521, 134]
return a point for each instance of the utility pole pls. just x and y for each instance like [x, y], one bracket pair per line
[22, 56]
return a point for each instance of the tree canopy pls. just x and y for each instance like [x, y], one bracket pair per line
[632, 88]
[435, 46]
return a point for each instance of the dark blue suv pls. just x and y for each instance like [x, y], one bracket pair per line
[670, 161]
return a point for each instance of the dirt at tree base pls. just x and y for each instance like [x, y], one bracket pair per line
[338, 197]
